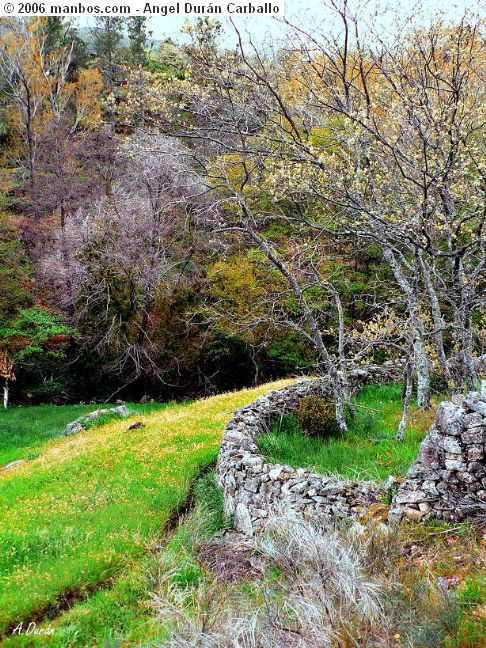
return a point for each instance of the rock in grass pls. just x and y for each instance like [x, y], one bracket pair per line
[13, 464]
[137, 425]
[78, 424]
[122, 410]
[74, 427]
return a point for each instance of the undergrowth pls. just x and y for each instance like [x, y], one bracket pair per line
[365, 585]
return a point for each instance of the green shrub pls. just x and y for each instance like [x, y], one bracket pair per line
[47, 390]
[473, 592]
[316, 417]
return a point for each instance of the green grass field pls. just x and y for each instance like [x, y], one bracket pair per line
[367, 451]
[83, 530]
[78, 521]
[24, 430]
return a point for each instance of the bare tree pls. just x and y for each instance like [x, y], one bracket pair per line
[33, 80]
[372, 141]
[129, 253]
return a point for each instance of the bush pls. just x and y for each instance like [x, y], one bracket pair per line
[316, 417]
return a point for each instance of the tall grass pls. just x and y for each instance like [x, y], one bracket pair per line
[367, 451]
[352, 585]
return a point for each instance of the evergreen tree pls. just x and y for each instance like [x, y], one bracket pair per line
[59, 33]
[137, 38]
[108, 35]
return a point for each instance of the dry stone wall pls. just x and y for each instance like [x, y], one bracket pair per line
[448, 479]
[252, 487]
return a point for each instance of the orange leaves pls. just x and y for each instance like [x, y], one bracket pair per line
[37, 82]
[6, 366]
[87, 91]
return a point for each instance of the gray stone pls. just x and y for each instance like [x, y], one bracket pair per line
[275, 473]
[76, 426]
[474, 435]
[73, 428]
[455, 464]
[475, 452]
[429, 454]
[466, 477]
[13, 464]
[472, 420]
[122, 410]
[449, 418]
[410, 497]
[479, 407]
[252, 485]
[430, 487]
[242, 519]
[458, 399]
[450, 444]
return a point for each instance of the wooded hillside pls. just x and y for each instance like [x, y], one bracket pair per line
[187, 218]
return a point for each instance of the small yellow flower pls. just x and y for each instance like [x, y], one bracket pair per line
[396, 636]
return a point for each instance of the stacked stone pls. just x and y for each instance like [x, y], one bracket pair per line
[252, 487]
[448, 480]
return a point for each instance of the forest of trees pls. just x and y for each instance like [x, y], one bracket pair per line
[182, 219]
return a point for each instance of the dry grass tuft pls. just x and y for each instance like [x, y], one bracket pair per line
[316, 594]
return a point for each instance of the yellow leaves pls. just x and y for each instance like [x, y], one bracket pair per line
[39, 89]
[385, 325]
[234, 284]
[88, 96]
[230, 168]
[150, 96]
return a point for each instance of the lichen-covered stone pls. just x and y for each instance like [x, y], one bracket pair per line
[76, 426]
[252, 486]
[450, 468]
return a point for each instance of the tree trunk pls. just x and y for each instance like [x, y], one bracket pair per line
[407, 396]
[420, 356]
[467, 374]
[5, 394]
[342, 356]
[325, 362]
[438, 321]
[256, 374]
[29, 131]
[66, 263]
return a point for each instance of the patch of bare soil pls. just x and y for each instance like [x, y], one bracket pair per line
[232, 557]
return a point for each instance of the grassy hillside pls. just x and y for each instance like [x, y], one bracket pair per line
[85, 551]
[72, 518]
[24, 430]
